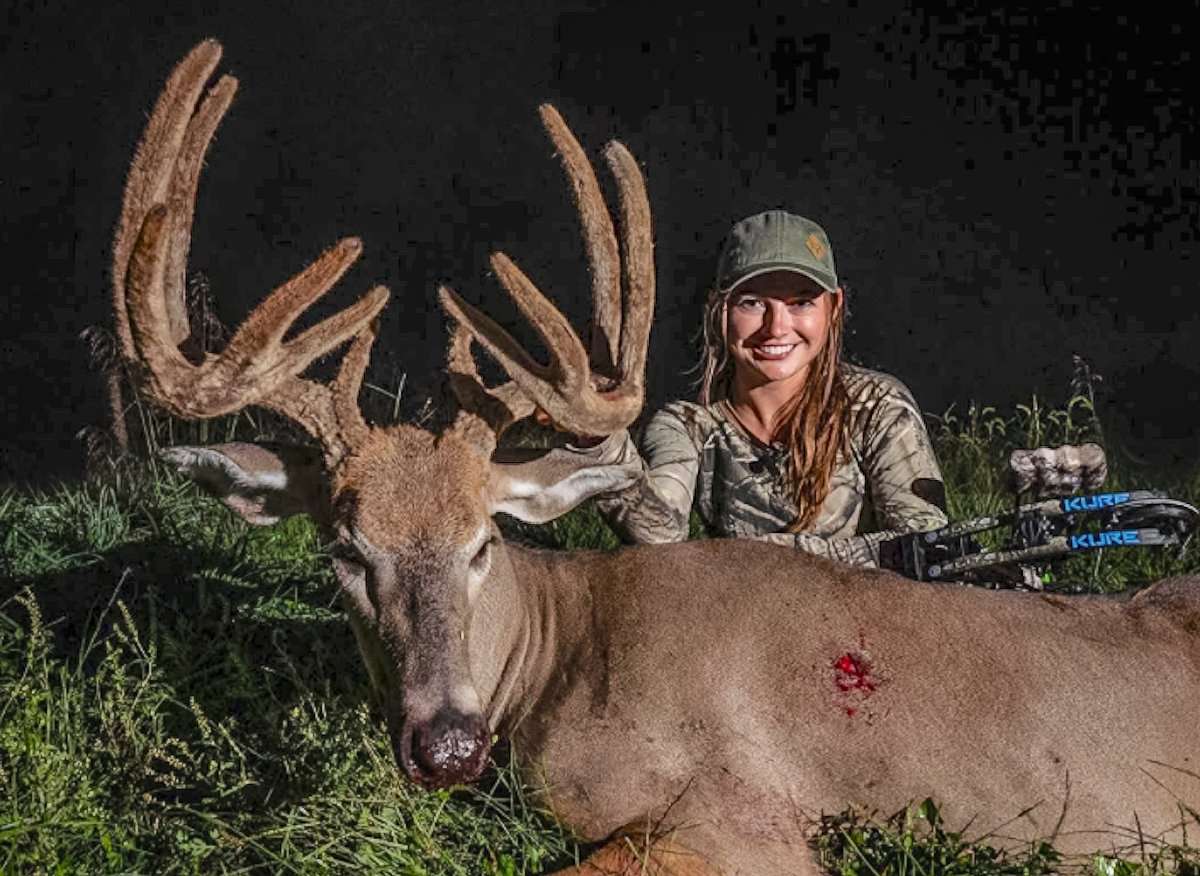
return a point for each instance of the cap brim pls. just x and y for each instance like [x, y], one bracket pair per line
[826, 281]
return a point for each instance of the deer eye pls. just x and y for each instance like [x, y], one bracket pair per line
[348, 563]
[480, 560]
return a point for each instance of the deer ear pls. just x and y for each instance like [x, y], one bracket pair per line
[261, 483]
[536, 486]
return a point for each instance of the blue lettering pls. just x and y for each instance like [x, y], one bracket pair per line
[1093, 502]
[1110, 538]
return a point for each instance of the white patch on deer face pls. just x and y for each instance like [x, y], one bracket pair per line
[465, 698]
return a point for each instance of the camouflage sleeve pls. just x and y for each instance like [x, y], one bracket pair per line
[903, 479]
[903, 476]
[856, 550]
[656, 508]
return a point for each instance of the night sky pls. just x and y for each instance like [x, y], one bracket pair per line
[1002, 189]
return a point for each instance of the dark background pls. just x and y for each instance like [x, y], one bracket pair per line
[1003, 189]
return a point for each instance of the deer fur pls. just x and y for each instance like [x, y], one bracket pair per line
[696, 706]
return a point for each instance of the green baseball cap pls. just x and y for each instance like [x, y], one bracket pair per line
[776, 241]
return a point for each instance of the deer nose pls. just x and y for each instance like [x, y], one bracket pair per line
[450, 749]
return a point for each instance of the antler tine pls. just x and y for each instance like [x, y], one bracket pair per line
[145, 316]
[348, 383]
[152, 178]
[568, 359]
[599, 239]
[637, 250]
[496, 408]
[483, 417]
[562, 389]
[257, 367]
[258, 342]
[254, 362]
[511, 355]
[182, 198]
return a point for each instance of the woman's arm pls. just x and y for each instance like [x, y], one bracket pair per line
[657, 507]
[904, 482]
[857, 550]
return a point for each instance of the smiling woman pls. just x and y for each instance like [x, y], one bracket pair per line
[786, 443]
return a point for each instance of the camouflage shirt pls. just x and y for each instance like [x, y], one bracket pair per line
[698, 456]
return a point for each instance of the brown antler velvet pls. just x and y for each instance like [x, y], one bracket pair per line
[153, 179]
[607, 395]
[257, 367]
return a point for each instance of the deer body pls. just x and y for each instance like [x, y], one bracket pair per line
[1009, 702]
[709, 698]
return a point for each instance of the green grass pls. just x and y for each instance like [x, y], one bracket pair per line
[916, 842]
[179, 693]
[973, 449]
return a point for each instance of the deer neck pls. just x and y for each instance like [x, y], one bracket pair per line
[530, 622]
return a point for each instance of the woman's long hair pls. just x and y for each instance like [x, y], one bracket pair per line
[813, 425]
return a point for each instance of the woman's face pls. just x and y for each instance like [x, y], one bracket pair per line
[776, 325]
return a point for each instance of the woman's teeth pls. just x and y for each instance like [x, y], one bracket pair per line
[774, 351]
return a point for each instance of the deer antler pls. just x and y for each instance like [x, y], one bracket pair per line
[576, 398]
[257, 367]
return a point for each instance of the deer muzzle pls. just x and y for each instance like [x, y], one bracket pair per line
[450, 749]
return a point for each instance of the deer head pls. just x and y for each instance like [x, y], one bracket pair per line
[408, 512]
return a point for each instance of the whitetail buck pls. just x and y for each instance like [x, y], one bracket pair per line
[698, 705]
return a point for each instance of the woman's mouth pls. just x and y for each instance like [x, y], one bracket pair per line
[772, 352]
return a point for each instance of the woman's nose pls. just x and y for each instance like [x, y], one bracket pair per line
[775, 318]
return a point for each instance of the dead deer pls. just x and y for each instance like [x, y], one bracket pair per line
[697, 705]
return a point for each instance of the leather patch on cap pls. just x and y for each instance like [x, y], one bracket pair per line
[815, 247]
